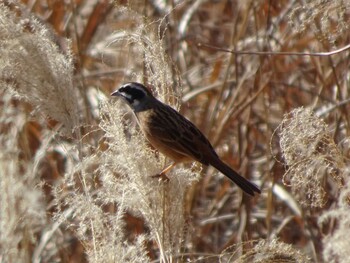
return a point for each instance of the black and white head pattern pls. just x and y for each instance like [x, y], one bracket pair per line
[135, 94]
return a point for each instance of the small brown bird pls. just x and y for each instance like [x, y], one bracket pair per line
[173, 135]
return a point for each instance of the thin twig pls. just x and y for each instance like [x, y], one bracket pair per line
[277, 53]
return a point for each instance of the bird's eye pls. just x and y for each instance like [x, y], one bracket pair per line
[135, 93]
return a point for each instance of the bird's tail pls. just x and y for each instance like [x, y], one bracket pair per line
[243, 183]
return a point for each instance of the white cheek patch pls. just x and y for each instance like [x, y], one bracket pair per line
[132, 101]
[126, 95]
[135, 103]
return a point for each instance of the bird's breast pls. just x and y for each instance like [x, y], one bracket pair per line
[157, 135]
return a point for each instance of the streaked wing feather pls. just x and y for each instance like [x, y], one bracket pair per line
[179, 133]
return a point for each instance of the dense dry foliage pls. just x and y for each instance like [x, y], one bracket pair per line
[266, 81]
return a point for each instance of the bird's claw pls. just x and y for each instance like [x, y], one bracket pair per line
[161, 177]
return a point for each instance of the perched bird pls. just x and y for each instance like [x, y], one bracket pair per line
[173, 135]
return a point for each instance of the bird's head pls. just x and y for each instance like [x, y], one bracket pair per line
[136, 95]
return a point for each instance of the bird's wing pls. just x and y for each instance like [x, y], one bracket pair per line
[181, 135]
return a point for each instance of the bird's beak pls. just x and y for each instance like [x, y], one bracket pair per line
[115, 93]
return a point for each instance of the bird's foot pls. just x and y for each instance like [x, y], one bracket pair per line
[161, 177]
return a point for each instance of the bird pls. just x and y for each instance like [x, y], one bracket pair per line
[173, 135]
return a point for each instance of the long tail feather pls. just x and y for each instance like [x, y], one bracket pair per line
[243, 183]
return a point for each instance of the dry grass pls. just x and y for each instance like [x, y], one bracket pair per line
[75, 170]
